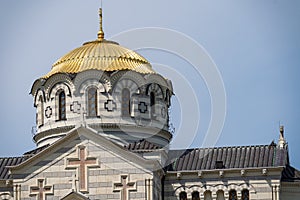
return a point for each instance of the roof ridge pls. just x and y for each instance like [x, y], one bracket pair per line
[10, 157]
[218, 147]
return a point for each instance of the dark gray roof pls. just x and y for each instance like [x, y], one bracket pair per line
[12, 161]
[36, 151]
[142, 145]
[290, 174]
[227, 158]
[6, 162]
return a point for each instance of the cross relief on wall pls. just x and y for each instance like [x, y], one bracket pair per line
[124, 187]
[75, 107]
[48, 112]
[142, 107]
[41, 189]
[110, 105]
[82, 163]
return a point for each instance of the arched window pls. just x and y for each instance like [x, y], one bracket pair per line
[195, 195]
[207, 195]
[40, 112]
[245, 194]
[232, 195]
[152, 104]
[62, 106]
[220, 195]
[125, 102]
[183, 196]
[92, 102]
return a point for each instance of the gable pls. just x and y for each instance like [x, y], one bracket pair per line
[74, 196]
[73, 138]
[84, 162]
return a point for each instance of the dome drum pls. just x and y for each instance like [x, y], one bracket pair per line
[124, 98]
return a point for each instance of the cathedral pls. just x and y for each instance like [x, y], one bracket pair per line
[103, 132]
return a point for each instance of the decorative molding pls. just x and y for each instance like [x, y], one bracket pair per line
[243, 172]
[39, 92]
[156, 88]
[179, 175]
[5, 195]
[97, 76]
[58, 79]
[213, 189]
[265, 172]
[221, 173]
[125, 83]
[129, 75]
[200, 174]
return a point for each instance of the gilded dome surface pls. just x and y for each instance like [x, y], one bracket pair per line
[101, 55]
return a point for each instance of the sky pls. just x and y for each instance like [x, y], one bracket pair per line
[254, 44]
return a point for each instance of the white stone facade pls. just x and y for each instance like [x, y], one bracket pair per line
[152, 119]
[101, 180]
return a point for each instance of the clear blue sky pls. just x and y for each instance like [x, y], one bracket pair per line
[255, 45]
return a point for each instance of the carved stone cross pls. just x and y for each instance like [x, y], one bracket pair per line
[48, 112]
[41, 190]
[82, 163]
[74, 181]
[124, 187]
[143, 108]
[110, 105]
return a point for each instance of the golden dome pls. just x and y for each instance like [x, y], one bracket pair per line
[101, 55]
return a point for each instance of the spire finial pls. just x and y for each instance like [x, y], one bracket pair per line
[281, 136]
[100, 32]
[281, 141]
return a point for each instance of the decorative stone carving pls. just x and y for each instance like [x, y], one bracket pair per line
[82, 163]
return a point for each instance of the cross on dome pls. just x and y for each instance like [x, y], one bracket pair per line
[100, 32]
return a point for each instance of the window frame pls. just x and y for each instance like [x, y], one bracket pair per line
[62, 105]
[183, 195]
[195, 195]
[40, 112]
[230, 197]
[248, 193]
[125, 103]
[89, 102]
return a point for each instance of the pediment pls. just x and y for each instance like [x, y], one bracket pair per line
[58, 151]
[74, 196]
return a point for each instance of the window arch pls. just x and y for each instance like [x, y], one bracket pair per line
[183, 196]
[232, 195]
[207, 195]
[92, 102]
[40, 112]
[195, 195]
[125, 107]
[152, 104]
[220, 195]
[61, 105]
[245, 194]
